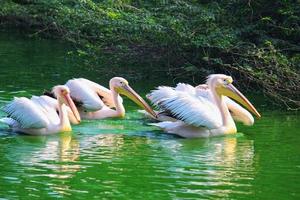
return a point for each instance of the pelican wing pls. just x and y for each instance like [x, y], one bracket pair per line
[192, 109]
[45, 101]
[84, 93]
[48, 106]
[27, 113]
[185, 88]
[104, 93]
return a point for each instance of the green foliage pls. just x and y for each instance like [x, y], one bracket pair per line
[255, 41]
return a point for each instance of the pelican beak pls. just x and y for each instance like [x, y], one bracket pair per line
[72, 106]
[230, 91]
[131, 94]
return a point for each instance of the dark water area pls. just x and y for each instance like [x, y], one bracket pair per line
[126, 158]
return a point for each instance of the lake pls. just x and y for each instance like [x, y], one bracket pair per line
[126, 158]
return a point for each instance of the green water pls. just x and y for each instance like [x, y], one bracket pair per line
[125, 158]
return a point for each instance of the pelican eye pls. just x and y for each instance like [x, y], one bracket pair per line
[122, 83]
[227, 81]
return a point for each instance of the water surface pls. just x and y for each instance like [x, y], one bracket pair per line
[125, 158]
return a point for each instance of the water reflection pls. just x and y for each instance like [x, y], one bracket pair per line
[215, 167]
[57, 153]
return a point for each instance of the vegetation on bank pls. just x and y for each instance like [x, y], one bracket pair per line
[255, 41]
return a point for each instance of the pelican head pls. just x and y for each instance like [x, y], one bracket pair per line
[223, 86]
[62, 93]
[121, 86]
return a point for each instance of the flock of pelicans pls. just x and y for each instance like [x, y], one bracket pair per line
[187, 111]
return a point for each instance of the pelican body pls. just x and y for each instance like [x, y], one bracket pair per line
[35, 117]
[195, 113]
[98, 102]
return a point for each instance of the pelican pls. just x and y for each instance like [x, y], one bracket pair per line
[237, 112]
[32, 117]
[196, 113]
[97, 102]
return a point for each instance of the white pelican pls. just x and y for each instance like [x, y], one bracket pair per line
[97, 102]
[36, 118]
[196, 113]
[237, 112]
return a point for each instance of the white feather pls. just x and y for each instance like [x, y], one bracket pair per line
[25, 112]
[185, 88]
[167, 125]
[10, 122]
[48, 106]
[182, 129]
[105, 93]
[186, 106]
[84, 93]
[53, 103]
